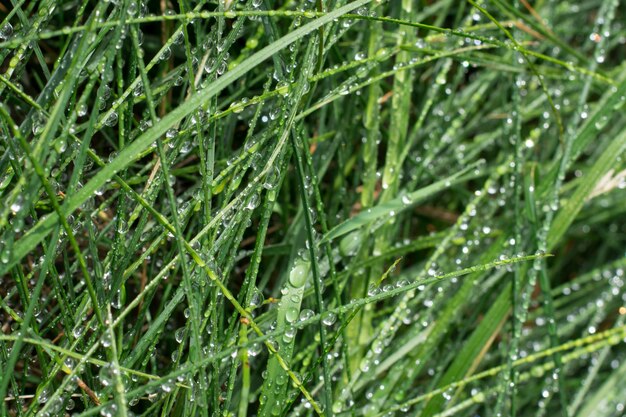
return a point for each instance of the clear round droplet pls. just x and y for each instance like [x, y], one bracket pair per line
[6, 31]
[329, 319]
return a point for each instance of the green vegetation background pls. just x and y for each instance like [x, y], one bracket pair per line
[295, 208]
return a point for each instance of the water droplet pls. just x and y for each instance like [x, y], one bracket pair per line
[306, 314]
[283, 88]
[253, 202]
[236, 107]
[69, 405]
[291, 315]
[107, 374]
[221, 67]
[17, 205]
[298, 274]
[6, 31]
[105, 340]
[271, 179]
[82, 110]
[132, 8]
[109, 410]
[373, 290]
[171, 133]
[364, 366]
[329, 318]
[179, 335]
[601, 122]
[402, 283]
[255, 349]
[111, 120]
[117, 300]
[210, 65]
[38, 125]
[44, 395]
[289, 334]
[78, 331]
[166, 54]
[257, 299]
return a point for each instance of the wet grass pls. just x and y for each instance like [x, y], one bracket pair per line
[312, 208]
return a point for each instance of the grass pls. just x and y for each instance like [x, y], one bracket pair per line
[332, 208]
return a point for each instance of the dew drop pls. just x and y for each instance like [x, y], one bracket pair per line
[253, 202]
[306, 314]
[132, 8]
[179, 335]
[82, 110]
[78, 331]
[111, 120]
[17, 205]
[171, 133]
[105, 341]
[329, 319]
[44, 395]
[166, 54]
[291, 315]
[6, 31]
[255, 349]
[298, 274]
[373, 290]
[283, 88]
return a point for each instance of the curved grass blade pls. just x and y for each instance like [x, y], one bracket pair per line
[397, 205]
[575, 203]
